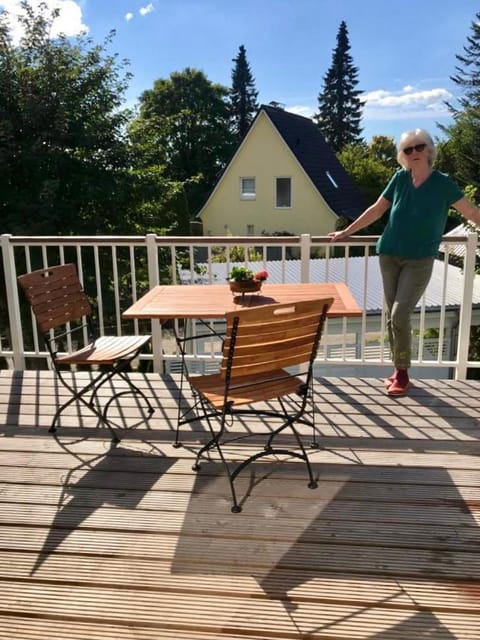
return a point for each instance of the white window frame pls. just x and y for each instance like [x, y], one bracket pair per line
[246, 192]
[278, 206]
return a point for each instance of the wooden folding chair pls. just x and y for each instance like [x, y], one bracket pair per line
[260, 345]
[64, 318]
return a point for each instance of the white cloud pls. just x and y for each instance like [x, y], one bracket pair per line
[69, 21]
[407, 103]
[306, 112]
[148, 9]
[128, 16]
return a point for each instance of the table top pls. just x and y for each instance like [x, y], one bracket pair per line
[165, 302]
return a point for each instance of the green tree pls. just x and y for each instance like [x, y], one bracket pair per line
[467, 72]
[63, 155]
[370, 166]
[339, 105]
[383, 149]
[184, 126]
[461, 154]
[243, 95]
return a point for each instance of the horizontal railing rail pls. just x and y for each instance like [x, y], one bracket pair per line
[116, 271]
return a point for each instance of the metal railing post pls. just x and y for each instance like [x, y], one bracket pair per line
[14, 317]
[466, 307]
[153, 280]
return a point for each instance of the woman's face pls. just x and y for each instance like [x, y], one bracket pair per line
[415, 152]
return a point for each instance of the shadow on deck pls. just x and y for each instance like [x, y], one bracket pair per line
[128, 542]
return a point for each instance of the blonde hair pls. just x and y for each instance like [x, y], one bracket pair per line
[416, 136]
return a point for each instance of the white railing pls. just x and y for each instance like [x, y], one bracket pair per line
[117, 270]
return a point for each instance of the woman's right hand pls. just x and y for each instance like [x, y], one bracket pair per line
[336, 235]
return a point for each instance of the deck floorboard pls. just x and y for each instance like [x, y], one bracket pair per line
[126, 542]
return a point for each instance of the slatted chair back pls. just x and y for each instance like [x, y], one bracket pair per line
[273, 337]
[56, 296]
[62, 311]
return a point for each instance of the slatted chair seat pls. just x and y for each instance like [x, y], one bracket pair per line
[245, 390]
[105, 351]
[64, 317]
[260, 346]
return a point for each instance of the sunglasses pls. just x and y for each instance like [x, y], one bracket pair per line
[416, 147]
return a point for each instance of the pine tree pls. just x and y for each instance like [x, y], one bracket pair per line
[340, 108]
[468, 76]
[461, 154]
[243, 95]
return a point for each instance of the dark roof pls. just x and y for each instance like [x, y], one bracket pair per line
[319, 161]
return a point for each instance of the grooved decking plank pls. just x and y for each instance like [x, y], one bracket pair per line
[231, 615]
[322, 587]
[108, 506]
[128, 543]
[259, 554]
[25, 628]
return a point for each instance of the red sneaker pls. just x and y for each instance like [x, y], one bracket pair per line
[388, 381]
[398, 388]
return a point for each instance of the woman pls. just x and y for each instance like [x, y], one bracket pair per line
[418, 197]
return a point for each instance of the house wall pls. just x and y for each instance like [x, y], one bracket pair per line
[264, 156]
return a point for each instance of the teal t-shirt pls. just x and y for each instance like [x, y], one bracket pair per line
[417, 214]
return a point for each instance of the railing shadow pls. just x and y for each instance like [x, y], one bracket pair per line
[430, 406]
[93, 484]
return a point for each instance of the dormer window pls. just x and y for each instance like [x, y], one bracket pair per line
[330, 177]
[247, 189]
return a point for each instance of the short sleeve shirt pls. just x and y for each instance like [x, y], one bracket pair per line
[417, 214]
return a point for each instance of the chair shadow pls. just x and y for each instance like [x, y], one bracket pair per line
[284, 540]
[95, 483]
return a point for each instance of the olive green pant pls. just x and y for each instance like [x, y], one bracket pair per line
[404, 281]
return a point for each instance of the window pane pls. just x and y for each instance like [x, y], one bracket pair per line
[247, 187]
[284, 192]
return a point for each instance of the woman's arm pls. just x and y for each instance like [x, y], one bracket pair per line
[468, 210]
[370, 215]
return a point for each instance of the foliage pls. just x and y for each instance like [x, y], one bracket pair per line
[339, 104]
[243, 95]
[461, 154]
[467, 73]
[474, 352]
[183, 127]
[160, 203]
[383, 149]
[244, 274]
[369, 166]
[235, 254]
[63, 155]
[240, 274]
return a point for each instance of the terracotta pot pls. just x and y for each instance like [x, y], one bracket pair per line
[245, 286]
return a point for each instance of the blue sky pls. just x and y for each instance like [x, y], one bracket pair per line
[405, 51]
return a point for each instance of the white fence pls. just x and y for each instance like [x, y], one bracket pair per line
[115, 271]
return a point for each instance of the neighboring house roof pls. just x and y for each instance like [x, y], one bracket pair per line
[319, 161]
[316, 158]
[459, 249]
[354, 273]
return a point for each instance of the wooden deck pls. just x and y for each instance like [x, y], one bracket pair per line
[128, 543]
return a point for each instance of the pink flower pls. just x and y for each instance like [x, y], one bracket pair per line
[261, 275]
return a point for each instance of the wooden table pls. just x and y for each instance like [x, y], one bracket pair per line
[167, 302]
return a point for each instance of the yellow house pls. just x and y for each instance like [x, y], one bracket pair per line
[284, 177]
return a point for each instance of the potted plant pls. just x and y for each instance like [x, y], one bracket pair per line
[244, 280]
